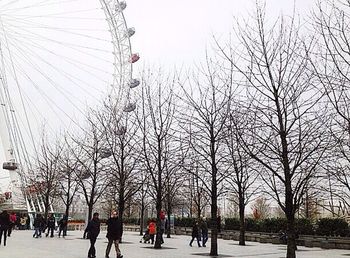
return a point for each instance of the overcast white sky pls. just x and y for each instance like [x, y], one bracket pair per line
[177, 32]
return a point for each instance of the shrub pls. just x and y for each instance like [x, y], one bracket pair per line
[273, 225]
[332, 227]
[184, 222]
[131, 221]
[252, 225]
[304, 227]
[231, 224]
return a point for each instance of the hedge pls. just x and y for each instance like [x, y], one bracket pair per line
[332, 227]
[184, 222]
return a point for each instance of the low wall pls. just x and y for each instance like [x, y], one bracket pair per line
[273, 238]
[81, 227]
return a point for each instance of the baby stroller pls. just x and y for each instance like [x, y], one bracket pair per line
[146, 237]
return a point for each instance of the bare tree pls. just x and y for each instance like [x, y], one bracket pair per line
[120, 139]
[158, 136]
[285, 122]
[194, 186]
[242, 181]
[46, 177]
[331, 64]
[207, 98]
[90, 153]
[261, 208]
[68, 182]
[172, 184]
[142, 198]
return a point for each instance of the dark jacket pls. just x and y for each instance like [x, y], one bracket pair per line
[37, 222]
[195, 230]
[51, 222]
[63, 222]
[204, 228]
[5, 220]
[114, 228]
[93, 228]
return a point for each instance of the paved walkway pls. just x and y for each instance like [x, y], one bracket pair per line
[22, 245]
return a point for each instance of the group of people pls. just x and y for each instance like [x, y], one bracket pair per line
[40, 226]
[200, 233]
[7, 223]
[114, 234]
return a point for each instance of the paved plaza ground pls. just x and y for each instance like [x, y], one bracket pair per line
[22, 245]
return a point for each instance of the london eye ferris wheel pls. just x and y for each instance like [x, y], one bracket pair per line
[57, 57]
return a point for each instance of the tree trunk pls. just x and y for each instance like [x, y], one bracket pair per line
[158, 242]
[142, 215]
[214, 224]
[241, 222]
[90, 207]
[291, 243]
[168, 229]
[67, 210]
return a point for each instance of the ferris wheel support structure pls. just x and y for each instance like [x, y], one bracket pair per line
[13, 198]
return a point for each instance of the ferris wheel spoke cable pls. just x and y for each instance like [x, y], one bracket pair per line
[16, 43]
[33, 83]
[37, 68]
[14, 118]
[44, 3]
[52, 103]
[55, 15]
[67, 44]
[64, 73]
[26, 25]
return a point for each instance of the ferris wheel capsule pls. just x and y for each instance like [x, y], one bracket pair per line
[129, 107]
[10, 165]
[134, 83]
[130, 32]
[121, 6]
[134, 58]
[121, 130]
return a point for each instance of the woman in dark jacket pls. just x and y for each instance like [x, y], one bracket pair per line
[5, 224]
[195, 234]
[93, 230]
[114, 233]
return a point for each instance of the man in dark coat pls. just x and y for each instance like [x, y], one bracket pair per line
[62, 225]
[4, 225]
[204, 230]
[114, 233]
[195, 234]
[93, 230]
[37, 226]
[51, 224]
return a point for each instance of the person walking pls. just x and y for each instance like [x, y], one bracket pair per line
[114, 233]
[152, 229]
[13, 219]
[4, 225]
[37, 226]
[51, 223]
[204, 231]
[195, 234]
[162, 225]
[93, 230]
[62, 226]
